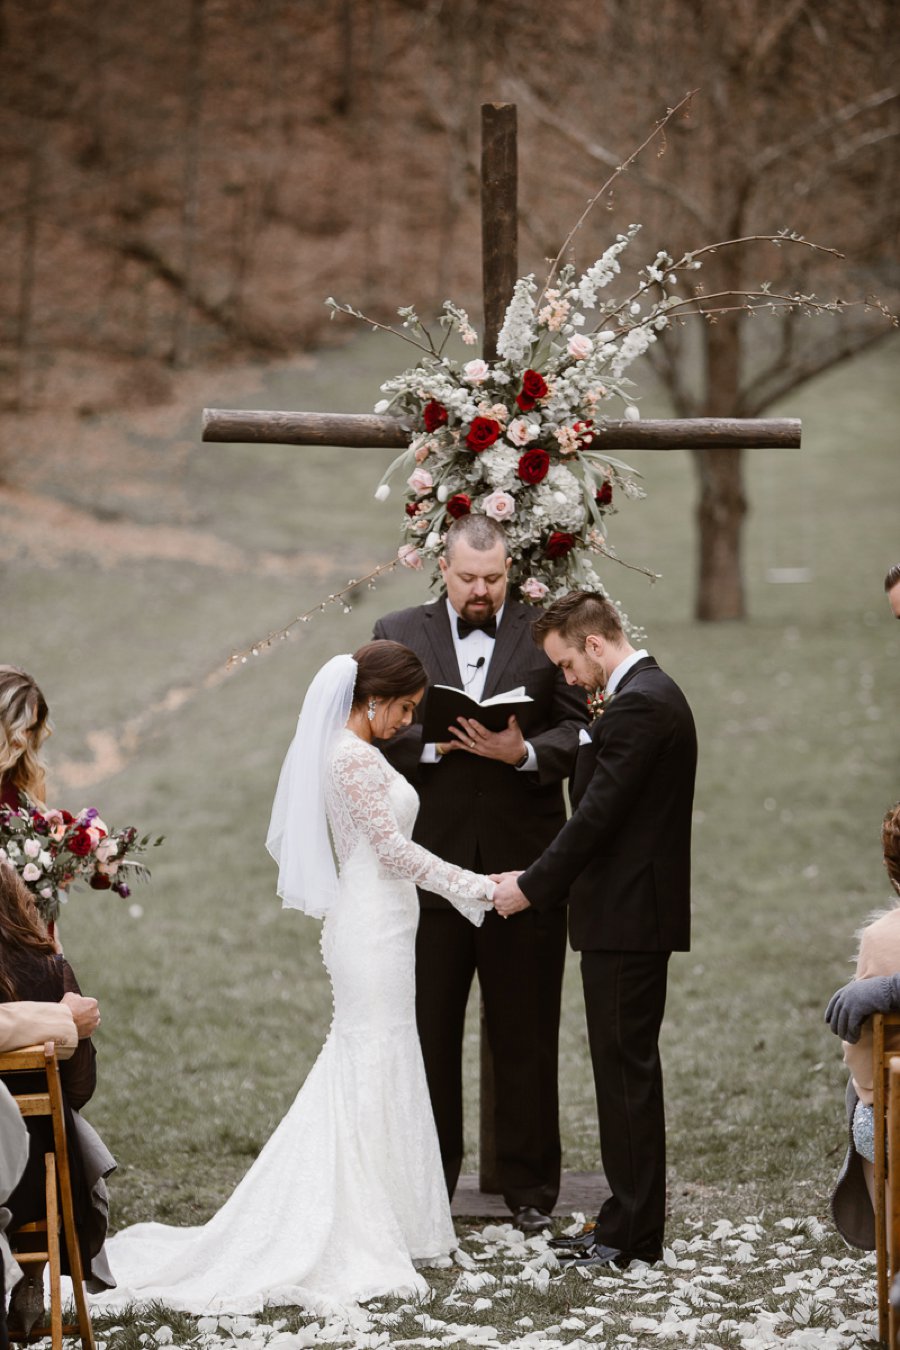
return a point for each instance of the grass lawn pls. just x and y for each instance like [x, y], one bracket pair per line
[214, 1001]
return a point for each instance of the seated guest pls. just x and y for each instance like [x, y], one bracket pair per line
[24, 726]
[32, 968]
[63, 1023]
[13, 1157]
[877, 964]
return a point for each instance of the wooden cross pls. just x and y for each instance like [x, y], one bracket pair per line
[499, 242]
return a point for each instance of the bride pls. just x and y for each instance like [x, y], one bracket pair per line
[348, 1192]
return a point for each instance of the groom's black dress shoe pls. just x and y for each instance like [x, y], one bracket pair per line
[576, 1244]
[531, 1220]
[599, 1255]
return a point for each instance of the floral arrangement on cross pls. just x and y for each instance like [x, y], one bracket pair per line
[521, 439]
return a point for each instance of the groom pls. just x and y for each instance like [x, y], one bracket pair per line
[624, 860]
[489, 802]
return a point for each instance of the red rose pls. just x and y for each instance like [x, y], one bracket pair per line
[533, 466]
[79, 842]
[604, 494]
[534, 386]
[67, 817]
[100, 882]
[411, 508]
[559, 544]
[583, 431]
[482, 433]
[459, 505]
[434, 415]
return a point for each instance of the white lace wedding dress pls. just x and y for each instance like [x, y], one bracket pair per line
[348, 1192]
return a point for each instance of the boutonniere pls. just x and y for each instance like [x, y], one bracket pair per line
[598, 702]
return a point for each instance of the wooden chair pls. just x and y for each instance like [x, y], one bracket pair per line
[886, 1107]
[22, 1065]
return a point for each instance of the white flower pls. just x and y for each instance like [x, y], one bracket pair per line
[46, 892]
[579, 346]
[520, 431]
[382, 493]
[476, 372]
[517, 334]
[420, 480]
[382, 405]
[46, 861]
[410, 557]
[32, 848]
[442, 493]
[499, 506]
[632, 414]
[30, 872]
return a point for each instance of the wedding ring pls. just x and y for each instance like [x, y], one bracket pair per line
[471, 744]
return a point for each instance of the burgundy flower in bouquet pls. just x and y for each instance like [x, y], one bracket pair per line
[534, 466]
[434, 415]
[52, 850]
[534, 386]
[559, 544]
[460, 504]
[482, 433]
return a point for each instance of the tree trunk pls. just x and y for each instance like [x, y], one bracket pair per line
[722, 505]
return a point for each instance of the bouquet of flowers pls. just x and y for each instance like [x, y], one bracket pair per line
[52, 850]
[521, 439]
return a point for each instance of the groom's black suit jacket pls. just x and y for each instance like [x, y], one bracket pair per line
[624, 857]
[480, 812]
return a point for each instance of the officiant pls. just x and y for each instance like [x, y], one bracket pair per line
[491, 801]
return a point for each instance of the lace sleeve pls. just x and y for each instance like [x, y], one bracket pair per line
[361, 806]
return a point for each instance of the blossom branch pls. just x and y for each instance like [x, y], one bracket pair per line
[660, 126]
[279, 634]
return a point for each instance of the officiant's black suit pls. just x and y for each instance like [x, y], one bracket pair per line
[490, 817]
[623, 860]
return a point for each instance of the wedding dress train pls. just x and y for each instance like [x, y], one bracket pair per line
[349, 1191]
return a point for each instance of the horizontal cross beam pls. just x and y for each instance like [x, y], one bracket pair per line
[370, 431]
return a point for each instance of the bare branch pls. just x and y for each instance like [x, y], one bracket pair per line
[774, 383]
[773, 153]
[660, 126]
[525, 95]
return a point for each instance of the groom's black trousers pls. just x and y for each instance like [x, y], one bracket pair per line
[624, 999]
[520, 963]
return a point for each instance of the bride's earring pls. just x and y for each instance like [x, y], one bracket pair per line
[370, 710]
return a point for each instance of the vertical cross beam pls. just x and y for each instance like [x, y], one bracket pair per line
[499, 216]
[499, 270]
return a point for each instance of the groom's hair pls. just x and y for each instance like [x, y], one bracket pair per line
[478, 531]
[892, 577]
[574, 617]
[890, 842]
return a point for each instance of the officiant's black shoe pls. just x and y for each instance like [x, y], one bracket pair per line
[597, 1255]
[529, 1219]
[578, 1243]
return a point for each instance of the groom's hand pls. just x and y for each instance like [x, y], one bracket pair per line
[508, 745]
[508, 899]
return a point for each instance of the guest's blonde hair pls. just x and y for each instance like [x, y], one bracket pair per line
[24, 726]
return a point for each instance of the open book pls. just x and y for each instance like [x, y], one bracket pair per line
[444, 704]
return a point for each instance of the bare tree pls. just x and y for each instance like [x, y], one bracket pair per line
[773, 142]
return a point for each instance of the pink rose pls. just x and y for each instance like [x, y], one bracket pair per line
[30, 872]
[520, 431]
[420, 480]
[500, 506]
[410, 557]
[476, 372]
[534, 589]
[579, 346]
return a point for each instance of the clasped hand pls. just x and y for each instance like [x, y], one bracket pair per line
[507, 745]
[508, 898]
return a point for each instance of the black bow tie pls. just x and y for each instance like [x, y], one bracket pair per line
[464, 628]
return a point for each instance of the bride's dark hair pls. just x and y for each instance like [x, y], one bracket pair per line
[387, 670]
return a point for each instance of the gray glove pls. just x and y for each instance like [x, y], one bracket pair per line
[852, 1005]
